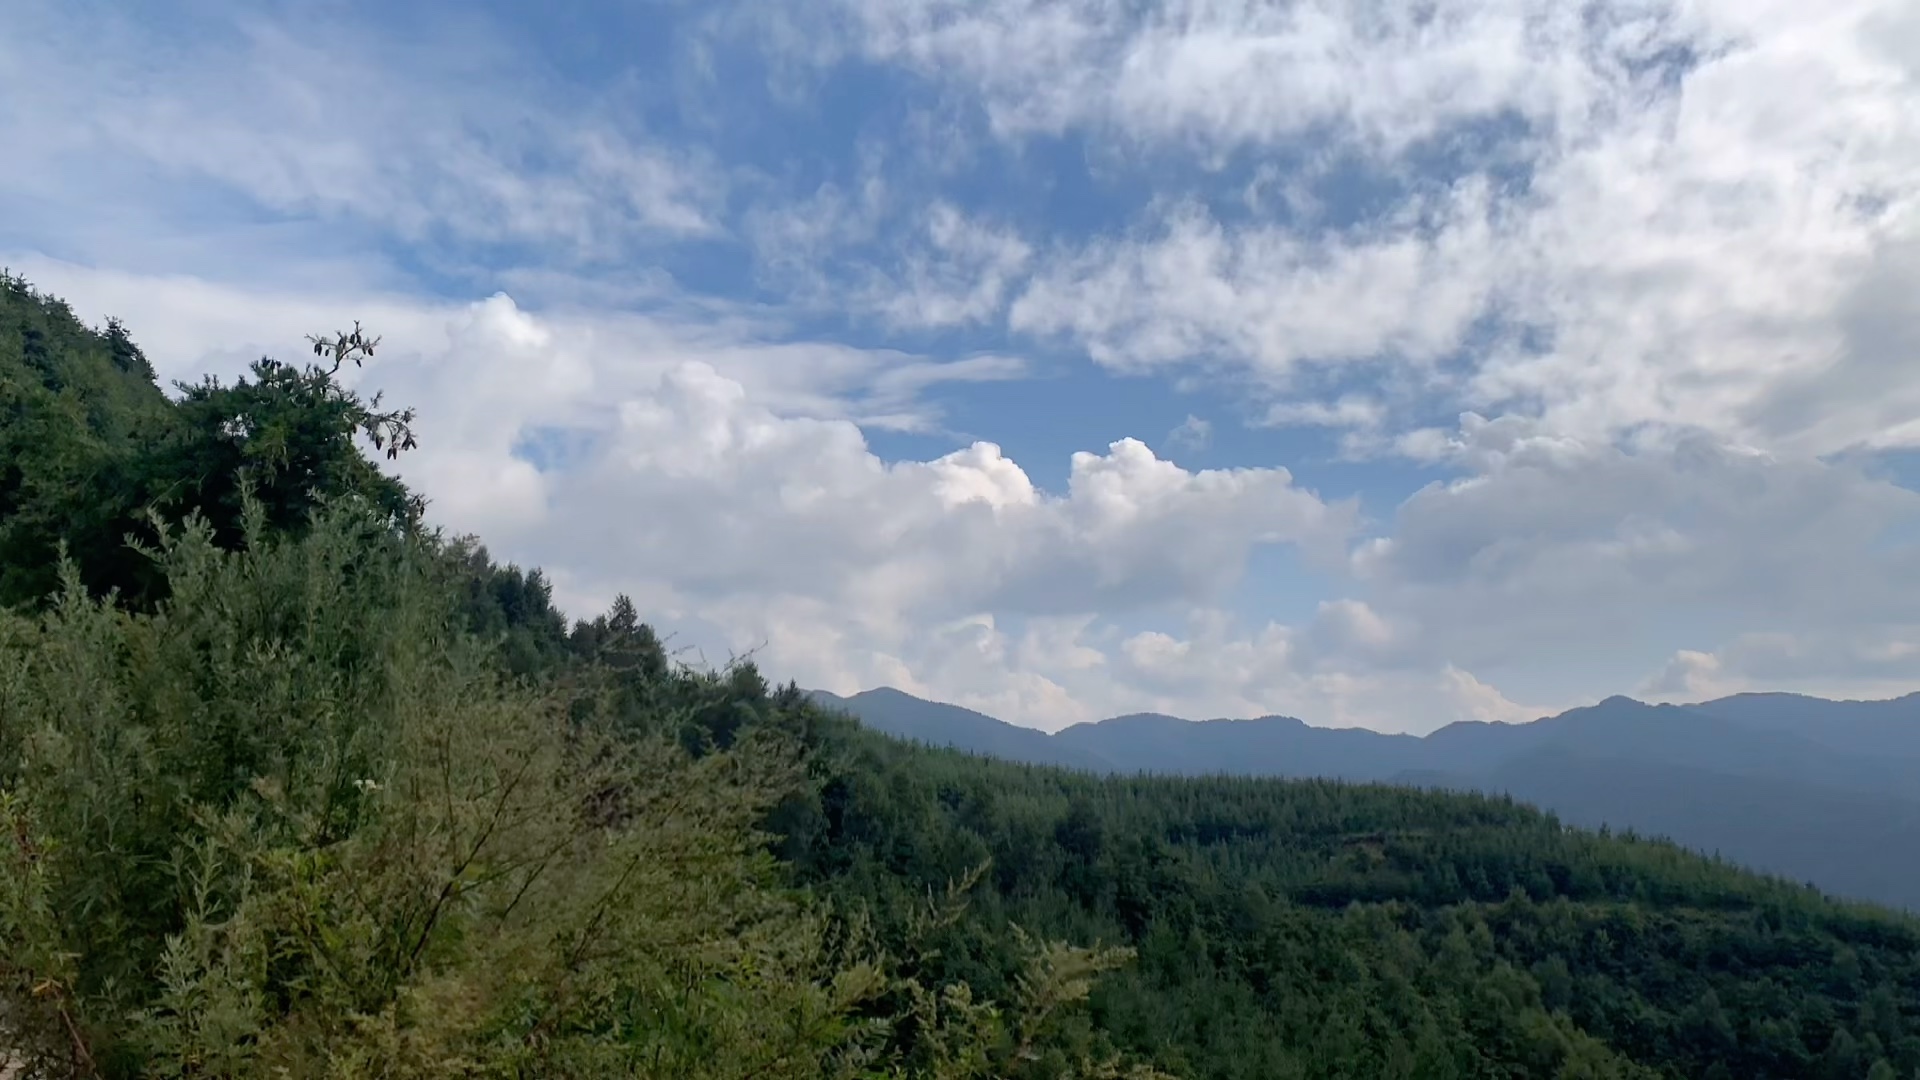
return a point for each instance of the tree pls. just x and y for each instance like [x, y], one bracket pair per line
[126, 355]
[285, 437]
[90, 448]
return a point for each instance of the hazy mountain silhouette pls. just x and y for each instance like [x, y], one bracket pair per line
[1890, 727]
[1821, 791]
[904, 716]
[1267, 746]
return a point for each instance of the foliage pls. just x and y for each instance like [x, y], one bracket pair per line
[285, 438]
[1289, 928]
[294, 823]
[89, 446]
[76, 408]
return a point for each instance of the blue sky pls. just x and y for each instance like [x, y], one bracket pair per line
[1375, 364]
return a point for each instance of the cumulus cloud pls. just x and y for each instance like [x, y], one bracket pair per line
[1661, 256]
[1874, 661]
[1689, 675]
[701, 484]
[703, 475]
[1552, 552]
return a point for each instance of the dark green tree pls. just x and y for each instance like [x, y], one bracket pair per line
[287, 437]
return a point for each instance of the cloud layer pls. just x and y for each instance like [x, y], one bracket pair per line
[1605, 216]
[1608, 310]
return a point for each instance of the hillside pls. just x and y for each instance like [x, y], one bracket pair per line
[1809, 789]
[80, 406]
[333, 795]
[89, 447]
[1315, 929]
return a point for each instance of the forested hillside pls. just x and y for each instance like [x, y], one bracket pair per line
[320, 792]
[1817, 791]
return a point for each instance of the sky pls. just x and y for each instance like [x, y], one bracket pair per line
[1379, 364]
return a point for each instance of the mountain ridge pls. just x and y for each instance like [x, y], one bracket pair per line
[1748, 710]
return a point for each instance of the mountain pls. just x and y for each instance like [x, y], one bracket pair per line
[1890, 727]
[1809, 789]
[1267, 746]
[933, 723]
[1846, 843]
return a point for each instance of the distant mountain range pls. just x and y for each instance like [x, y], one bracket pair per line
[1821, 791]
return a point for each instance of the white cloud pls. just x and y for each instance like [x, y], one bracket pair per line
[865, 251]
[1662, 255]
[1219, 670]
[723, 481]
[1353, 411]
[1695, 259]
[1470, 699]
[1194, 433]
[1053, 673]
[1352, 629]
[1689, 675]
[1193, 71]
[796, 241]
[962, 276]
[699, 483]
[1863, 662]
[703, 485]
[1270, 298]
[488, 373]
[1557, 549]
[1665, 212]
[448, 137]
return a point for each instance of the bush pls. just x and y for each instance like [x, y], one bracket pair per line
[296, 823]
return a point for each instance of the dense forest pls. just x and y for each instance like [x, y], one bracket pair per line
[292, 784]
[1712, 776]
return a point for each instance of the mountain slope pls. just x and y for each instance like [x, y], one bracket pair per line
[1315, 929]
[348, 799]
[1622, 729]
[1847, 843]
[89, 446]
[1878, 728]
[1824, 789]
